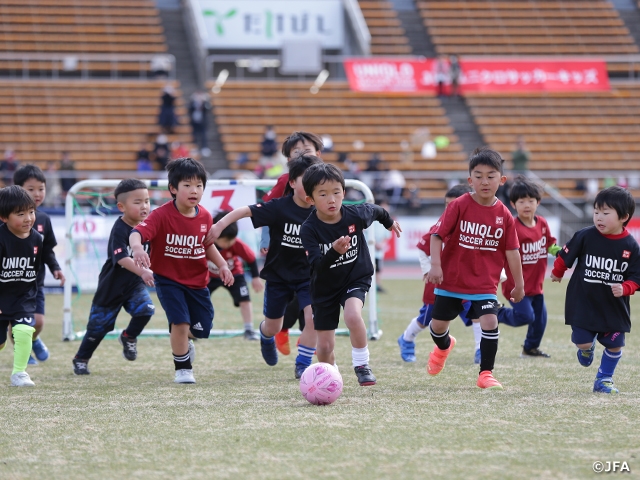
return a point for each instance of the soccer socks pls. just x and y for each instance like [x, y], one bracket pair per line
[608, 363]
[477, 333]
[23, 340]
[136, 325]
[488, 349]
[360, 356]
[90, 342]
[305, 354]
[441, 340]
[182, 362]
[412, 331]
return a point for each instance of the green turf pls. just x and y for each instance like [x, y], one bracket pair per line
[244, 419]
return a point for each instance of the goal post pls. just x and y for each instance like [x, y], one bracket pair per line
[213, 185]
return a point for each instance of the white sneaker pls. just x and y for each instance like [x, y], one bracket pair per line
[184, 376]
[192, 351]
[21, 379]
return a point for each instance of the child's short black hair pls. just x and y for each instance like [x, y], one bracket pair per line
[457, 191]
[319, 173]
[21, 175]
[231, 231]
[15, 199]
[618, 198]
[295, 137]
[186, 168]
[486, 156]
[297, 167]
[524, 188]
[126, 186]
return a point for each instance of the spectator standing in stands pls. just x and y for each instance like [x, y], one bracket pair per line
[199, 108]
[8, 165]
[179, 150]
[167, 119]
[161, 151]
[454, 75]
[67, 175]
[270, 166]
[441, 74]
[143, 161]
[520, 158]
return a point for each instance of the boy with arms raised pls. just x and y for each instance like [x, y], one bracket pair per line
[175, 232]
[286, 269]
[482, 234]
[535, 242]
[20, 262]
[121, 282]
[341, 267]
[606, 273]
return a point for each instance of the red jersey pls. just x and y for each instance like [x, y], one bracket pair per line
[475, 253]
[278, 189]
[176, 241]
[428, 297]
[534, 242]
[233, 256]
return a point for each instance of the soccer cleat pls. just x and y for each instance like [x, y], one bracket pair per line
[407, 349]
[437, 358]
[476, 357]
[585, 357]
[299, 370]
[40, 349]
[251, 334]
[80, 366]
[486, 381]
[21, 379]
[32, 361]
[282, 342]
[533, 352]
[192, 351]
[129, 347]
[184, 376]
[365, 375]
[269, 352]
[604, 385]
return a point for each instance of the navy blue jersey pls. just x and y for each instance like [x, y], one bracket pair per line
[286, 261]
[21, 260]
[331, 273]
[44, 228]
[115, 282]
[601, 261]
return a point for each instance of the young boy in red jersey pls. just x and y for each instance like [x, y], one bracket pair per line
[234, 251]
[175, 232]
[482, 235]
[535, 242]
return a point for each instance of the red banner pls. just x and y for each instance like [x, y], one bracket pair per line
[482, 76]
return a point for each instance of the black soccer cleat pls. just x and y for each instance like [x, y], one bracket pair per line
[129, 347]
[365, 376]
[80, 366]
[533, 352]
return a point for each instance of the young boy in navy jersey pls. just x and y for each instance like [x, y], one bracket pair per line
[482, 235]
[341, 267]
[406, 341]
[234, 251]
[175, 232]
[535, 242]
[20, 262]
[606, 273]
[286, 269]
[34, 182]
[121, 282]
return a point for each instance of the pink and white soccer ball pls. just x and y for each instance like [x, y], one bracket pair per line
[321, 384]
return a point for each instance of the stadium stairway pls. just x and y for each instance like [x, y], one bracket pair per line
[630, 15]
[462, 122]
[415, 31]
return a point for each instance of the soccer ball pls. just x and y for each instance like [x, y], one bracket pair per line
[321, 384]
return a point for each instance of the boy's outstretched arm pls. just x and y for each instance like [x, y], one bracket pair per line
[216, 229]
[144, 273]
[395, 228]
[515, 265]
[435, 274]
[223, 269]
[140, 257]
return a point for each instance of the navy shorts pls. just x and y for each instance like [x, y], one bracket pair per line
[28, 320]
[40, 301]
[102, 320]
[239, 290]
[448, 308]
[278, 295]
[186, 305]
[607, 340]
[327, 317]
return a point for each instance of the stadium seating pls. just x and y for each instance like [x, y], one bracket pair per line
[387, 35]
[101, 123]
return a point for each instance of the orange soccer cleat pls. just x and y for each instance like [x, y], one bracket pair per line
[437, 358]
[282, 342]
[486, 380]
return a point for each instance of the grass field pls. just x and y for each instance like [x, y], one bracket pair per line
[244, 419]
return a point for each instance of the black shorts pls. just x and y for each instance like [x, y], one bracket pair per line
[448, 308]
[239, 290]
[327, 317]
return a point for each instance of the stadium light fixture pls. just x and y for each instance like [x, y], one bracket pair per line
[319, 82]
[222, 78]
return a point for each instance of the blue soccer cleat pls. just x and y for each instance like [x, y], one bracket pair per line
[299, 370]
[476, 357]
[32, 361]
[40, 349]
[407, 349]
[585, 357]
[604, 385]
[269, 352]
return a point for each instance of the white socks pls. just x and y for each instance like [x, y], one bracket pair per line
[477, 333]
[412, 331]
[360, 356]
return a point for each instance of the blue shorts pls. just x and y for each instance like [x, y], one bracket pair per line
[28, 320]
[424, 317]
[186, 305]
[40, 301]
[608, 340]
[278, 295]
[102, 320]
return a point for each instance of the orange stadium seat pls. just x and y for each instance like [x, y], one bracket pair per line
[387, 35]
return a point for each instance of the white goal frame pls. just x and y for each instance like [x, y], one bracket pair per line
[67, 328]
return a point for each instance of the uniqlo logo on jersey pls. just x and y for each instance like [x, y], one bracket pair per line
[499, 220]
[352, 228]
[203, 228]
[35, 250]
[544, 230]
[626, 254]
[40, 228]
[566, 250]
[117, 251]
